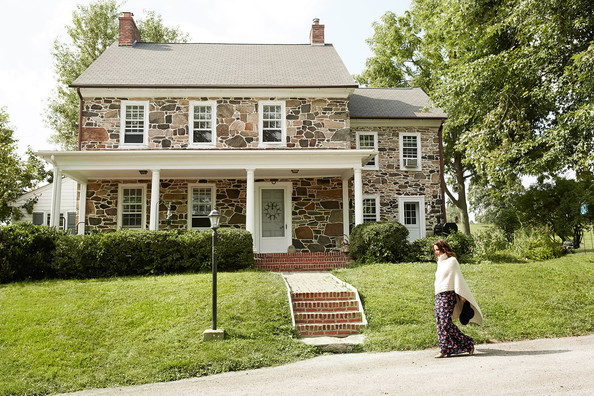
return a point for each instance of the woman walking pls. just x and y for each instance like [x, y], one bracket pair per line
[451, 294]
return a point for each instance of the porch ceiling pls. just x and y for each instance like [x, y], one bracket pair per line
[126, 164]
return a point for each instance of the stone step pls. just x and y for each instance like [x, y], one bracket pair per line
[328, 317]
[325, 306]
[328, 329]
[323, 296]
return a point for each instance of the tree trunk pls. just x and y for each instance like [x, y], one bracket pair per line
[458, 171]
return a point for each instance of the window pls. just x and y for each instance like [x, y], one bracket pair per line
[132, 206]
[410, 151]
[370, 208]
[272, 123]
[39, 217]
[202, 123]
[201, 202]
[134, 124]
[368, 141]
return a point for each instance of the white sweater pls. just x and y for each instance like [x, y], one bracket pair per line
[449, 277]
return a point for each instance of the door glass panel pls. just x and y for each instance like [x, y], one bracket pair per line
[410, 213]
[273, 213]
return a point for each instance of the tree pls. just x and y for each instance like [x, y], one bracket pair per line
[94, 28]
[18, 176]
[407, 52]
[514, 78]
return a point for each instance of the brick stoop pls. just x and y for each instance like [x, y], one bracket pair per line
[335, 314]
[283, 262]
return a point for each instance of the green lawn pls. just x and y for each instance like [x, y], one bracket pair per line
[59, 336]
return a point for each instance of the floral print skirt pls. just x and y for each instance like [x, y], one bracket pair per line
[451, 339]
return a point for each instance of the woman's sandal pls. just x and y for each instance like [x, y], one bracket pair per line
[471, 352]
[441, 355]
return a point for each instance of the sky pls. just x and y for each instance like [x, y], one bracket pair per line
[29, 28]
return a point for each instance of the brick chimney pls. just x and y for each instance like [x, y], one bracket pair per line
[128, 31]
[316, 36]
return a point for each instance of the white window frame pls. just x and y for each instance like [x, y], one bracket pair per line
[123, 106]
[213, 127]
[121, 188]
[283, 141]
[401, 150]
[422, 212]
[375, 148]
[213, 196]
[376, 198]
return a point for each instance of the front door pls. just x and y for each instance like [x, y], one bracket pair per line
[274, 218]
[412, 216]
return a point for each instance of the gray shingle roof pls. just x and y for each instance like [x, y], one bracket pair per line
[392, 103]
[217, 65]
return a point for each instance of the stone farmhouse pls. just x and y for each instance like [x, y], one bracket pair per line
[279, 138]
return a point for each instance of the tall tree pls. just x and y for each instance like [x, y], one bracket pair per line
[94, 28]
[18, 176]
[514, 76]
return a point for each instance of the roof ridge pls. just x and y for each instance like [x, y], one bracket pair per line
[263, 44]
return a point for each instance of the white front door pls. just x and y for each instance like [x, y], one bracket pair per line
[412, 216]
[274, 217]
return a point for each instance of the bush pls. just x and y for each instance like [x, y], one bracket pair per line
[490, 242]
[36, 252]
[422, 249]
[26, 251]
[382, 242]
[537, 244]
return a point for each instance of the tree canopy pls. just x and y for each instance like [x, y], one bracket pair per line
[94, 28]
[18, 176]
[514, 76]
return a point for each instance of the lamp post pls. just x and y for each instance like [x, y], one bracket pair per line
[214, 333]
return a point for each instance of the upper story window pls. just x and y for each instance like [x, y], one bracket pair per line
[410, 151]
[368, 141]
[272, 123]
[201, 202]
[202, 123]
[134, 123]
[132, 206]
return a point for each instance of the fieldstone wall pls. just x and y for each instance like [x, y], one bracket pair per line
[310, 123]
[390, 182]
[316, 207]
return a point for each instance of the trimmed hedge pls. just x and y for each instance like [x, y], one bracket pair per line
[383, 242]
[461, 244]
[37, 252]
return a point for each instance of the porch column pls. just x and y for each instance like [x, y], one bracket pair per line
[82, 207]
[154, 213]
[345, 206]
[358, 197]
[56, 198]
[250, 203]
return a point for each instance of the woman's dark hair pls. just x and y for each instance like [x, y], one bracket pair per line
[445, 247]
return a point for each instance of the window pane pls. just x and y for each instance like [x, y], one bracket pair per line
[272, 123]
[134, 124]
[369, 210]
[201, 206]
[203, 122]
[409, 147]
[132, 205]
[410, 213]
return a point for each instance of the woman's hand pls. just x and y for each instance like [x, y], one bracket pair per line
[462, 299]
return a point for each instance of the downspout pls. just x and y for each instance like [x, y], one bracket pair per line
[80, 110]
[442, 177]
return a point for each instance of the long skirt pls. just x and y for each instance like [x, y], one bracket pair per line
[451, 339]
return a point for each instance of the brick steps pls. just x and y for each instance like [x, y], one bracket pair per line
[330, 314]
[283, 262]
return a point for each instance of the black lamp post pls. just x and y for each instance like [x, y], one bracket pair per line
[214, 218]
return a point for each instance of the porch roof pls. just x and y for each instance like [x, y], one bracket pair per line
[127, 164]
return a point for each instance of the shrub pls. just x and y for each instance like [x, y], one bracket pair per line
[462, 245]
[537, 244]
[422, 249]
[36, 252]
[26, 251]
[379, 242]
[490, 242]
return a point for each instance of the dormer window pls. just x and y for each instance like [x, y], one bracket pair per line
[134, 123]
[272, 123]
[202, 123]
